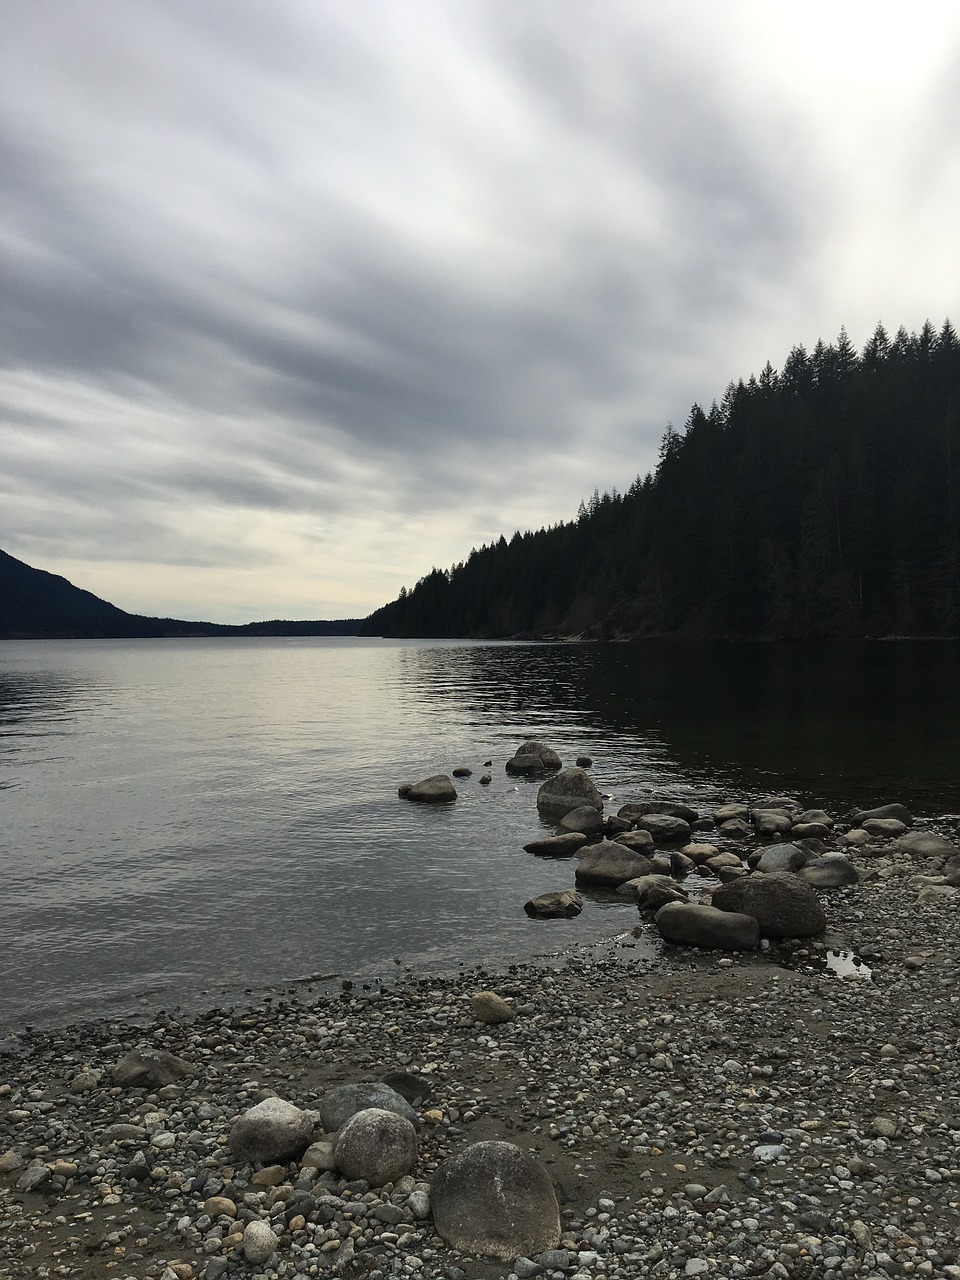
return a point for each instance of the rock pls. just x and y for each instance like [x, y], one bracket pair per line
[560, 904]
[337, 1106]
[436, 790]
[84, 1082]
[560, 846]
[731, 813]
[816, 817]
[33, 1177]
[857, 837]
[219, 1206]
[413, 1088]
[665, 828]
[462, 772]
[703, 926]
[666, 808]
[495, 1200]
[951, 871]
[771, 822]
[783, 857]
[895, 811]
[150, 1069]
[485, 779]
[585, 820]
[11, 1160]
[271, 1132]
[259, 1242]
[610, 863]
[783, 905]
[584, 762]
[832, 871]
[489, 1008]
[735, 829]
[533, 757]
[636, 840]
[654, 892]
[926, 844]
[319, 1155]
[700, 852]
[376, 1145]
[800, 830]
[567, 790]
[888, 828]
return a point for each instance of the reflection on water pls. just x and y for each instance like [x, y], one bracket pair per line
[200, 813]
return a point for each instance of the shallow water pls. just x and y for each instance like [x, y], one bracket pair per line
[199, 815]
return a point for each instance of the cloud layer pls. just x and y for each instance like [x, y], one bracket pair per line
[301, 299]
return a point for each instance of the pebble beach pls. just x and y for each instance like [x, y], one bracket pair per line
[789, 1112]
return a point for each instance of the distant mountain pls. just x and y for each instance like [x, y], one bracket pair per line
[821, 501]
[36, 605]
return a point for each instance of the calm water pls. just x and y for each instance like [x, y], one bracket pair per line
[181, 817]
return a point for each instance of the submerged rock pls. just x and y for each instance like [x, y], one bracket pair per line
[566, 791]
[561, 903]
[533, 757]
[438, 789]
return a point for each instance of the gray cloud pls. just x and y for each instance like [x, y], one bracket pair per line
[399, 275]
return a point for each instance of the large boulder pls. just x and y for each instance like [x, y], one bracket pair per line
[272, 1132]
[564, 845]
[832, 871]
[665, 828]
[610, 863]
[493, 1199]
[337, 1106]
[560, 904]
[376, 1145]
[150, 1069]
[695, 925]
[438, 789]
[567, 790]
[533, 757]
[783, 905]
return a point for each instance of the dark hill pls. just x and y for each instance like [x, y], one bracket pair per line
[822, 500]
[35, 604]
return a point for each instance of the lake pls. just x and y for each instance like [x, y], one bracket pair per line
[183, 820]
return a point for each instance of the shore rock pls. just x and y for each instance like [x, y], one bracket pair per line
[533, 757]
[783, 905]
[567, 790]
[667, 808]
[561, 903]
[665, 828]
[491, 1009]
[272, 1132]
[436, 790]
[926, 844]
[495, 1200]
[376, 1145]
[337, 1106]
[888, 828]
[783, 857]
[560, 846]
[696, 925]
[897, 811]
[259, 1242]
[636, 840]
[832, 871]
[610, 863]
[586, 820]
[150, 1069]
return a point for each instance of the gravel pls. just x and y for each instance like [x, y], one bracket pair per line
[764, 1117]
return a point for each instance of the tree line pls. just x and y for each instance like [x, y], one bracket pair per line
[820, 500]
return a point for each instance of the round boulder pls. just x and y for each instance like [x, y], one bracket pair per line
[259, 1242]
[376, 1145]
[695, 925]
[533, 757]
[272, 1132]
[610, 863]
[783, 905]
[337, 1106]
[567, 790]
[493, 1199]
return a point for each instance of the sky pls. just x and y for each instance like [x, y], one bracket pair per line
[302, 298]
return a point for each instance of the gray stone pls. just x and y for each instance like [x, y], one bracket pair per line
[259, 1242]
[654, 892]
[586, 820]
[272, 1132]
[491, 1009]
[533, 757]
[150, 1069]
[495, 1200]
[668, 808]
[636, 840]
[438, 789]
[665, 828]
[319, 1155]
[610, 863]
[888, 828]
[783, 857]
[731, 813]
[337, 1106]
[926, 844]
[567, 790]
[564, 845]
[771, 822]
[896, 811]
[832, 871]
[560, 904]
[376, 1145]
[707, 927]
[783, 905]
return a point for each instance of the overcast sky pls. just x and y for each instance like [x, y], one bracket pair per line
[300, 298]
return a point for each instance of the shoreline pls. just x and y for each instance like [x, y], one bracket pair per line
[751, 1117]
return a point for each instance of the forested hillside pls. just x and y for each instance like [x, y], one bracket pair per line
[820, 500]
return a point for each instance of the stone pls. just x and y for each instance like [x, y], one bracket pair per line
[783, 857]
[560, 904]
[533, 757]
[150, 1069]
[270, 1176]
[610, 863]
[654, 892]
[585, 820]
[783, 905]
[462, 772]
[376, 1145]
[735, 829]
[887, 828]
[815, 817]
[271, 1132]
[491, 1009]
[832, 871]
[259, 1242]
[319, 1155]
[413, 1088]
[567, 790]
[857, 837]
[584, 762]
[926, 844]
[564, 845]
[771, 822]
[636, 840]
[219, 1207]
[11, 1160]
[665, 828]
[438, 789]
[494, 1199]
[898, 812]
[700, 852]
[338, 1105]
[84, 1082]
[697, 925]
[668, 808]
[731, 813]
[802, 830]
